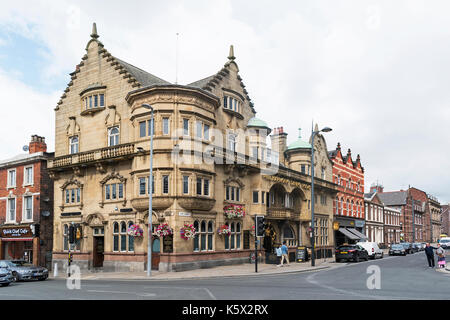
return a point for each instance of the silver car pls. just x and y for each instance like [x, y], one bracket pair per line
[20, 270]
[5, 277]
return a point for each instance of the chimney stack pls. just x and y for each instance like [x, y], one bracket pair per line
[37, 144]
[279, 142]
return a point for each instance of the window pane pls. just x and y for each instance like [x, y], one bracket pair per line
[206, 187]
[225, 100]
[116, 243]
[107, 193]
[185, 184]
[116, 227]
[90, 102]
[120, 190]
[210, 226]
[203, 226]
[142, 129]
[186, 127]
[210, 241]
[238, 194]
[96, 101]
[199, 186]
[73, 196]
[141, 186]
[102, 100]
[123, 243]
[255, 196]
[151, 129]
[67, 196]
[166, 184]
[123, 227]
[165, 125]
[232, 241]
[206, 132]
[203, 242]
[78, 195]
[238, 241]
[199, 129]
[114, 193]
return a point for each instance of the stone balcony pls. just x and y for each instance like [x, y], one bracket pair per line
[280, 213]
[96, 155]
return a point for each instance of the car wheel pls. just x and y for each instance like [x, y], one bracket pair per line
[382, 255]
[42, 278]
[15, 277]
[338, 260]
[357, 259]
[367, 258]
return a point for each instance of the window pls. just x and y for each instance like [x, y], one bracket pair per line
[142, 129]
[185, 184]
[232, 193]
[11, 210]
[255, 152]
[142, 186]
[28, 176]
[186, 127]
[94, 101]
[206, 187]
[206, 132]
[121, 240]
[255, 196]
[231, 104]
[303, 168]
[204, 239]
[11, 178]
[130, 239]
[166, 126]
[116, 236]
[232, 142]
[113, 136]
[28, 208]
[165, 184]
[263, 196]
[323, 173]
[73, 144]
[199, 186]
[233, 241]
[72, 196]
[198, 131]
[123, 236]
[114, 191]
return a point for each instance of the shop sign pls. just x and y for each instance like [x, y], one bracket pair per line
[16, 232]
[360, 223]
[184, 214]
[336, 225]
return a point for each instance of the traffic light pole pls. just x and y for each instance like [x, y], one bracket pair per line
[256, 253]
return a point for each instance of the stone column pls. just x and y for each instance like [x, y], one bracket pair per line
[36, 249]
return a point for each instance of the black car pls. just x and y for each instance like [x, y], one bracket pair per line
[416, 247]
[397, 249]
[407, 246]
[351, 252]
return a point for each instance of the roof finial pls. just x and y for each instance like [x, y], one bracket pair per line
[231, 55]
[94, 34]
[299, 133]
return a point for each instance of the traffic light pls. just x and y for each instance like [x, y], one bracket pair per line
[71, 234]
[260, 226]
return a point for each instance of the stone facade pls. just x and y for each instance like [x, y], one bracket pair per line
[374, 218]
[211, 165]
[436, 218]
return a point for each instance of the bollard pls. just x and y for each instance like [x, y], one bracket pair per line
[55, 270]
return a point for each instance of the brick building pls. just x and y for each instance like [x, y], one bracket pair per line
[402, 200]
[374, 217]
[348, 205]
[26, 206]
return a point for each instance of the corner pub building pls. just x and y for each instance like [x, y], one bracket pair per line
[101, 170]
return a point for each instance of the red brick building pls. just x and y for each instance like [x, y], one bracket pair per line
[348, 206]
[402, 200]
[26, 206]
[445, 212]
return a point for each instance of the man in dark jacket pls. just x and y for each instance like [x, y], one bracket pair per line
[430, 255]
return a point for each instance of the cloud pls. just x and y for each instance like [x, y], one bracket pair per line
[376, 72]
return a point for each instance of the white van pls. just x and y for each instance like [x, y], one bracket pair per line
[372, 249]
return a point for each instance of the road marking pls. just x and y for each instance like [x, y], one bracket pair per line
[143, 294]
[210, 293]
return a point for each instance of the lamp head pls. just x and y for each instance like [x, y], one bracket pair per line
[140, 149]
[326, 129]
[147, 106]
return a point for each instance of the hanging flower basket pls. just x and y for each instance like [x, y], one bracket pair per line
[163, 230]
[224, 230]
[135, 231]
[232, 211]
[188, 232]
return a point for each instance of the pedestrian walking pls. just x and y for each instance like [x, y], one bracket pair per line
[284, 253]
[441, 256]
[279, 255]
[430, 254]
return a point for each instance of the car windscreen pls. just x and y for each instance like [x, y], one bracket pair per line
[397, 247]
[444, 241]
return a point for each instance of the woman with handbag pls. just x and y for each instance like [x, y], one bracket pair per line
[441, 256]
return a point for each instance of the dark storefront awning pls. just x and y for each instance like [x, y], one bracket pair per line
[357, 233]
[348, 234]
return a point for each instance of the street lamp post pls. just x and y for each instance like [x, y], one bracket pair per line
[326, 129]
[150, 197]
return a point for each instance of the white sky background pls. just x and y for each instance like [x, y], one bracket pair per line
[377, 72]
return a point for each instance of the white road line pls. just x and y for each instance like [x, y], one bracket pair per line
[142, 294]
[210, 294]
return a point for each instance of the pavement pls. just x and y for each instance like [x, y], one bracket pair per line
[218, 272]
[246, 269]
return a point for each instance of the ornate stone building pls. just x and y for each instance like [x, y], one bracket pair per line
[212, 169]
[436, 218]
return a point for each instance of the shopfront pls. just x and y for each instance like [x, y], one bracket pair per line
[19, 243]
[348, 230]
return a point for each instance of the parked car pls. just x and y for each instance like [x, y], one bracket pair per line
[415, 247]
[372, 249]
[23, 271]
[351, 252]
[407, 246]
[445, 243]
[397, 249]
[5, 277]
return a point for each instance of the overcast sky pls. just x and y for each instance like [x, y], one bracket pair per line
[377, 72]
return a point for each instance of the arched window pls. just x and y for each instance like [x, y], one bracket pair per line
[288, 233]
[113, 136]
[115, 237]
[73, 145]
[336, 210]
[196, 238]
[123, 236]
[130, 239]
[348, 207]
[352, 208]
